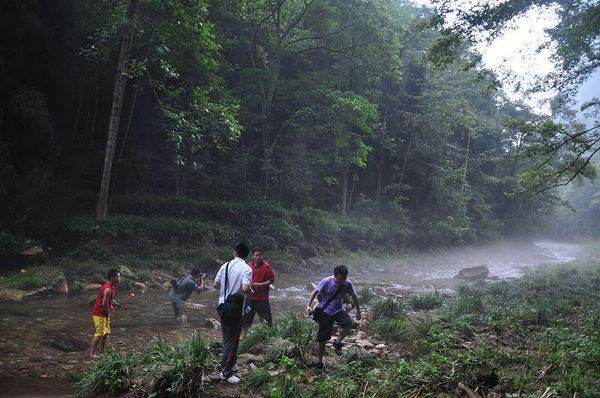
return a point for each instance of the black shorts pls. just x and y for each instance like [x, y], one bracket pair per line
[326, 325]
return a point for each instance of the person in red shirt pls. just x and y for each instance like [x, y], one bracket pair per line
[104, 305]
[258, 302]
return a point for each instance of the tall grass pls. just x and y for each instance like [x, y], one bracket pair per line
[112, 374]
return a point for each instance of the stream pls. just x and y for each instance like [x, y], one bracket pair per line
[31, 365]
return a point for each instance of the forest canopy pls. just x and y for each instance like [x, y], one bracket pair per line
[331, 106]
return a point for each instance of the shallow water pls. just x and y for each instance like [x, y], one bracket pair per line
[29, 366]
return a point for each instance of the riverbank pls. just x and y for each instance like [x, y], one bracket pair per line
[528, 337]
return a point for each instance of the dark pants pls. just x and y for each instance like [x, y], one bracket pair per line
[230, 328]
[326, 325]
[178, 304]
[263, 308]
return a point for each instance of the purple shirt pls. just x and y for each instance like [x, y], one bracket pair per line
[327, 288]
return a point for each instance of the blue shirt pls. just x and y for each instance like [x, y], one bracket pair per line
[327, 288]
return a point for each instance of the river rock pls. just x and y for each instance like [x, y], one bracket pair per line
[212, 322]
[194, 306]
[126, 272]
[33, 253]
[39, 293]
[11, 294]
[67, 344]
[380, 347]
[246, 358]
[91, 286]
[365, 344]
[140, 286]
[62, 287]
[473, 273]
[396, 292]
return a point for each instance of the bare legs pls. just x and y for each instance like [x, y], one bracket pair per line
[98, 344]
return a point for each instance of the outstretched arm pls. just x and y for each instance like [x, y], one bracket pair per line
[310, 300]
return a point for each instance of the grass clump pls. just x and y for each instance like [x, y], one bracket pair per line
[425, 302]
[32, 278]
[177, 369]
[388, 308]
[160, 369]
[290, 335]
[112, 374]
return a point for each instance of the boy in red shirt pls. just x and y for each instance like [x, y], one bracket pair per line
[262, 278]
[103, 307]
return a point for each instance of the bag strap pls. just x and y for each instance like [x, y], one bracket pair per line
[337, 291]
[226, 273]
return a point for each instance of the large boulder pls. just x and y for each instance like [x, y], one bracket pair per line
[34, 254]
[11, 294]
[473, 273]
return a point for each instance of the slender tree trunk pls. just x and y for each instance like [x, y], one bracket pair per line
[267, 147]
[351, 195]
[93, 127]
[344, 206]
[244, 172]
[381, 157]
[464, 179]
[79, 104]
[405, 160]
[115, 113]
[119, 158]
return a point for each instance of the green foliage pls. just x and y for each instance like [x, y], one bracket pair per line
[163, 369]
[160, 229]
[258, 378]
[290, 335]
[177, 370]
[388, 308]
[33, 278]
[112, 374]
[10, 244]
[426, 301]
[366, 295]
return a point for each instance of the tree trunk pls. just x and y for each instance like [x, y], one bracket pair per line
[381, 157]
[93, 127]
[344, 206]
[405, 160]
[464, 179]
[115, 113]
[266, 114]
[119, 158]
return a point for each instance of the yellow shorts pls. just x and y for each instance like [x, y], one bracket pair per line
[101, 325]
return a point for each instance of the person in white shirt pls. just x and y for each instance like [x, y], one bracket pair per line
[233, 280]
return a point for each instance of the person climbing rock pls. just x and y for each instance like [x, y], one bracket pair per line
[329, 310]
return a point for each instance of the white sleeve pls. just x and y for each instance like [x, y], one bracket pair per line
[247, 277]
[218, 276]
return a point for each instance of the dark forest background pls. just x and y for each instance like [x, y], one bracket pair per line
[297, 125]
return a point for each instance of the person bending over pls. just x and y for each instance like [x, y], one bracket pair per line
[329, 310]
[181, 290]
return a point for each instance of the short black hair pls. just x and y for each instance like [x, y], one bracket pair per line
[112, 273]
[242, 250]
[196, 271]
[257, 249]
[340, 270]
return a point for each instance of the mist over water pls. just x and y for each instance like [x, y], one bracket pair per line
[421, 272]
